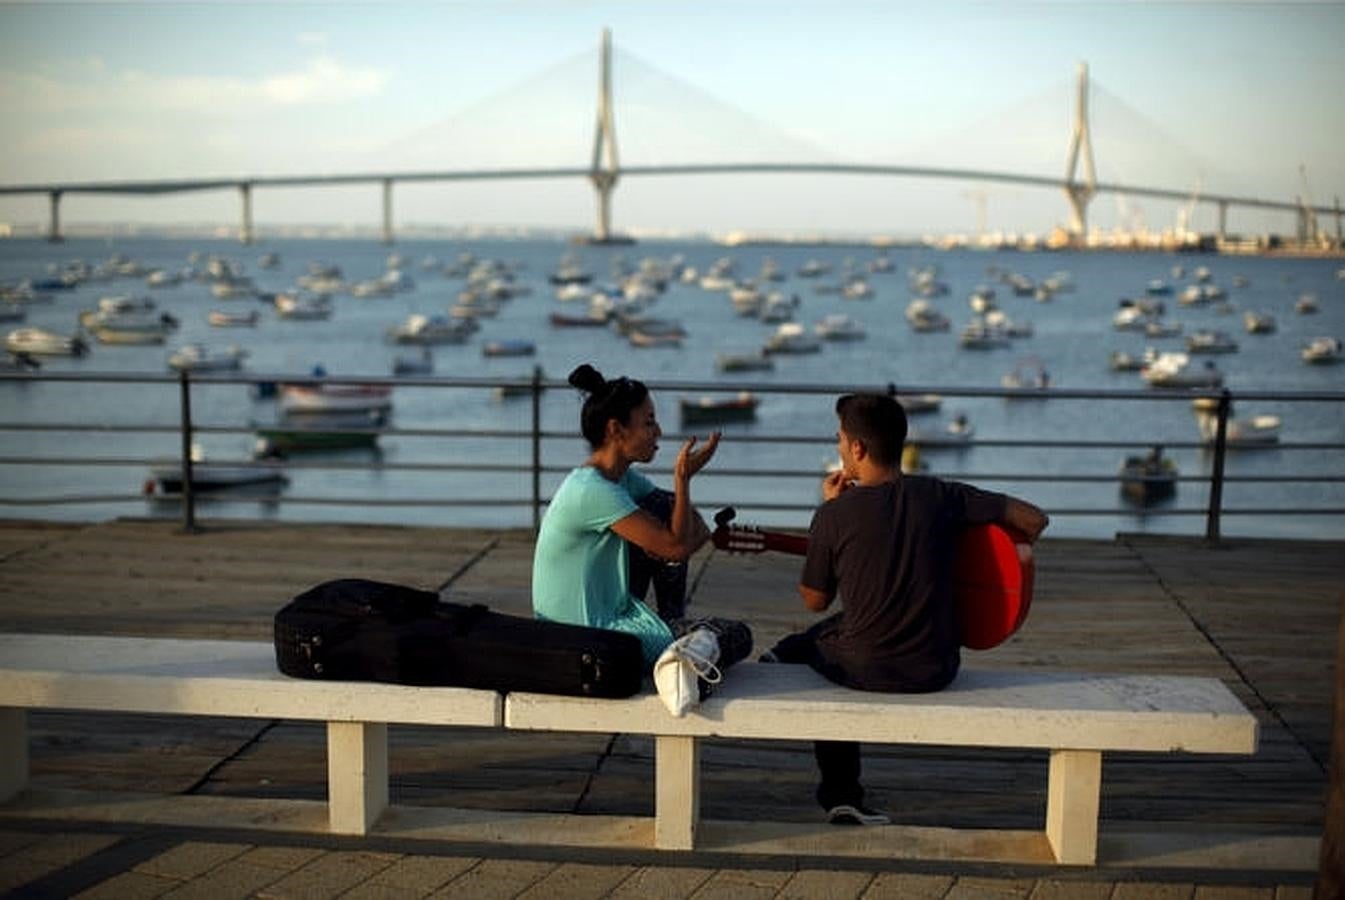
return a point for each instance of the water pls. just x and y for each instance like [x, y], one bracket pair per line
[1073, 336]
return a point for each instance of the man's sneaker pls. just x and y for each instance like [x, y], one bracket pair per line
[845, 814]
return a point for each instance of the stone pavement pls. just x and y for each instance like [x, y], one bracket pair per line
[1261, 615]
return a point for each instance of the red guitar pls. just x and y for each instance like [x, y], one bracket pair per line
[992, 576]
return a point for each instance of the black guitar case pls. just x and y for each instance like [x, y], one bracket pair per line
[359, 630]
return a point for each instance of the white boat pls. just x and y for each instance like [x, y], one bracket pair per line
[130, 328]
[777, 308]
[298, 399]
[1306, 304]
[1257, 322]
[956, 433]
[977, 335]
[221, 319]
[1210, 341]
[1157, 328]
[1124, 361]
[856, 289]
[508, 347]
[744, 362]
[839, 327]
[923, 317]
[422, 329]
[1322, 350]
[405, 364]
[200, 358]
[914, 404]
[40, 342]
[1174, 370]
[1253, 431]
[303, 307]
[982, 300]
[167, 477]
[791, 337]
[999, 321]
[1028, 375]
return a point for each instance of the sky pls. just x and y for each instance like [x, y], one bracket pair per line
[1194, 96]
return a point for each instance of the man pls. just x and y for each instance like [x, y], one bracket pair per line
[883, 542]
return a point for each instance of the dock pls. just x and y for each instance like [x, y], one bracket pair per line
[1262, 615]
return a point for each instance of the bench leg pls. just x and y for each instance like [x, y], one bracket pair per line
[13, 752]
[677, 791]
[1072, 796]
[357, 775]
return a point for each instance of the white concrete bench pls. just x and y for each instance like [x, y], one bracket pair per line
[223, 678]
[1075, 717]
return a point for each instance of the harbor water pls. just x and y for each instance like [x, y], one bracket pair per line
[1073, 336]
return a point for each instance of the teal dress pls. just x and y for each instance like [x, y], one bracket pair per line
[580, 570]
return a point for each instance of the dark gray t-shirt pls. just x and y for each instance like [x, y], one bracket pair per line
[887, 552]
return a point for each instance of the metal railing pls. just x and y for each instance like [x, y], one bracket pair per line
[536, 436]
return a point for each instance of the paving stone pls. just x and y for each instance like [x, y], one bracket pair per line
[129, 886]
[575, 881]
[330, 875]
[987, 888]
[903, 886]
[661, 883]
[10, 841]
[190, 859]
[1057, 889]
[742, 884]
[49, 854]
[234, 878]
[414, 876]
[1293, 892]
[1232, 892]
[1147, 890]
[495, 878]
[825, 884]
[284, 858]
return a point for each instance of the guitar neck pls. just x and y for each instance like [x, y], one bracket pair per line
[754, 540]
[780, 542]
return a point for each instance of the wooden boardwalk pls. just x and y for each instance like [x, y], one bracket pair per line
[1260, 614]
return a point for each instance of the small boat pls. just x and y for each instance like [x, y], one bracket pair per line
[221, 319]
[840, 327]
[303, 307]
[591, 320]
[40, 342]
[508, 347]
[423, 364]
[914, 404]
[715, 410]
[1257, 322]
[167, 477]
[979, 336]
[999, 321]
[1157, 287]
[299, 399]
[422, 329]
[1322, 351]
[982, 300]
[1210, 341]
[791, 338]
[1123, 361]
[639, 337]
[1148, 479]
[777, 308]
[1028, 375]
[856, 288]
[319, 433]
[1174, 370]
[1306, 304]
[958, 432]
[923, 317]
[12, 312]
[200, 358]
[1254, 431]
[744, 362]
[1131, 317]
[1157, 328]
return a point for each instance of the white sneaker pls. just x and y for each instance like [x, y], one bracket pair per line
[845, 814]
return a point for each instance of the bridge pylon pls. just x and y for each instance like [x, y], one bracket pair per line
[605, 169]
[1080, 141]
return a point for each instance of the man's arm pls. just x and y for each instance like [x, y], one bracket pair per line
[1025, 517]
[813, 599]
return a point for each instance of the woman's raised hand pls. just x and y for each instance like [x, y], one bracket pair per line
[691, 459]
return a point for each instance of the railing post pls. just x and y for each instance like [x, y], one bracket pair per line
[1217, 478]
[536, 449]
[188, 495]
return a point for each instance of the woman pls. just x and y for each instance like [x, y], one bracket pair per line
[581, 571]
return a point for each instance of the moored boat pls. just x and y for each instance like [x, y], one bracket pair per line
[508, 347]
[318, 433]
[200, 358]
[717, 410]
[298, 399]
[1174, 370]
[40, 342]
[744, 362]
[1210, 341]
[791, 338]
[422, 329]
[1148, 479]
[221, 319]
[1322, 351]
[839, 327]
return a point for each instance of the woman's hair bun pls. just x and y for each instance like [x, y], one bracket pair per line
[587, 379]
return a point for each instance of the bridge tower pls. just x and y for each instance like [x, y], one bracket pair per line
[604, 169]
[1079, 193]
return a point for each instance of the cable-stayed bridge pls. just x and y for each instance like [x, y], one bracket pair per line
[1079, 183]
